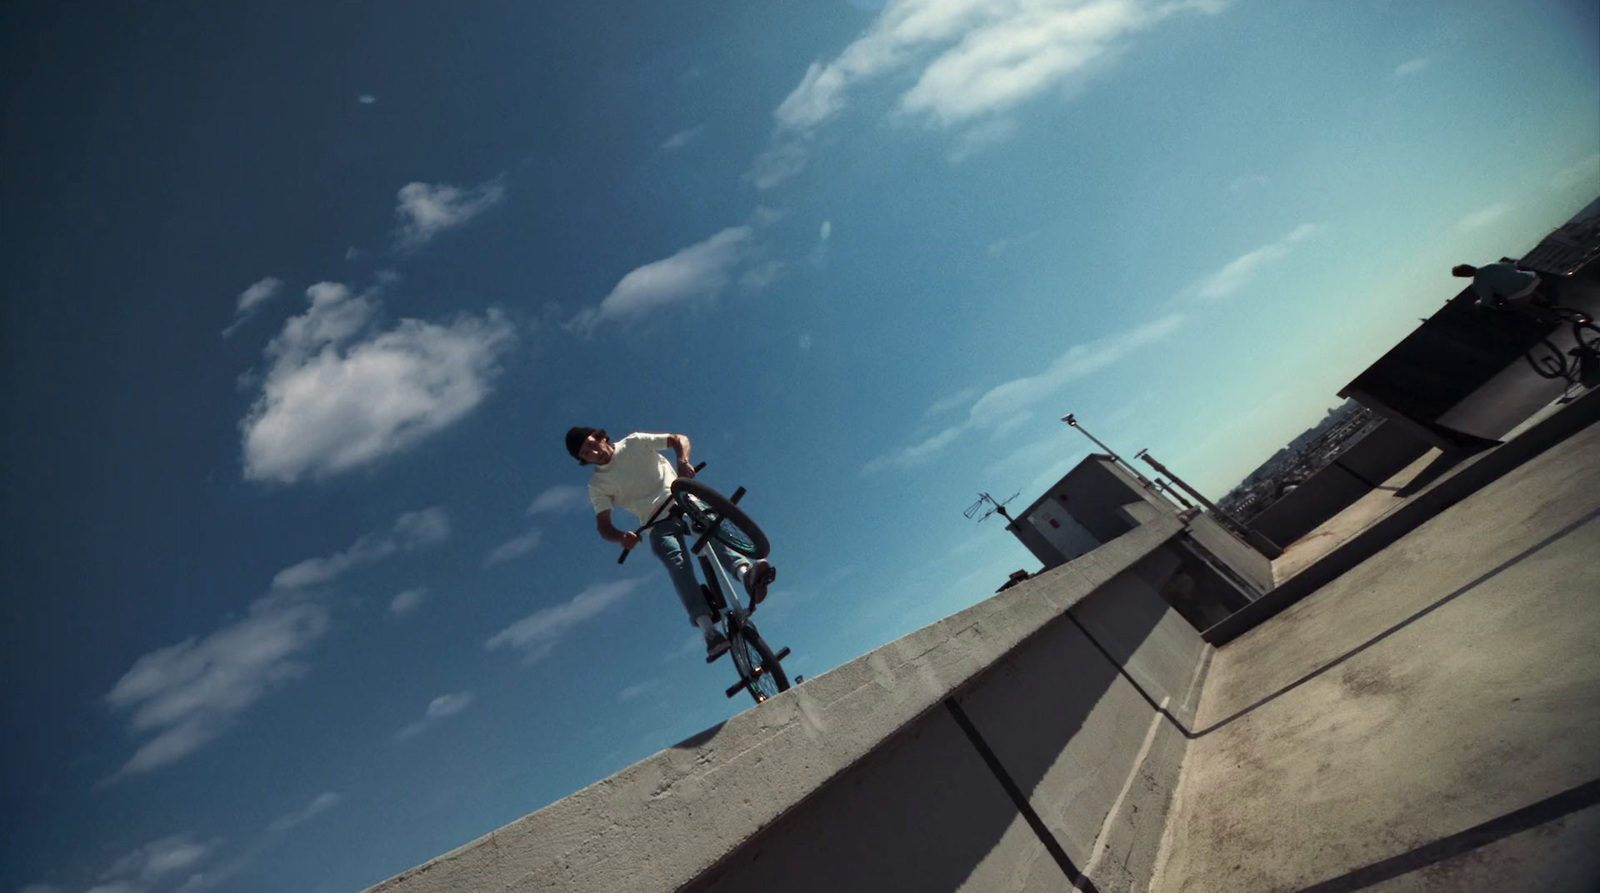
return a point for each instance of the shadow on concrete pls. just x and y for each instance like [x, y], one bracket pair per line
[1435, 470]
[1549, 809]
[927, 810]
[1441, 602]
[699, 738]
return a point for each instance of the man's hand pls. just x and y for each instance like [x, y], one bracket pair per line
[685, 470]
[629, 540]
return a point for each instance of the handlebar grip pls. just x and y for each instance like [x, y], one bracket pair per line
[624, 556]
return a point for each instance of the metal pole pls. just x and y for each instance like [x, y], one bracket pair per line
[1072, 421]
[1219, 514]
[1173, 493]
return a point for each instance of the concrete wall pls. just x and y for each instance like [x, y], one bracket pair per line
[1368, 462]
[1004, 748]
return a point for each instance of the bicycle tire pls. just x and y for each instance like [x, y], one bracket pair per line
[1587, 354]
[746, 643]
[733, 529]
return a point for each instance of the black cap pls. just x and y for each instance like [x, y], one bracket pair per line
[575, 439]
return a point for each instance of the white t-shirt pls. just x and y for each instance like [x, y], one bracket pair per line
[637, 479]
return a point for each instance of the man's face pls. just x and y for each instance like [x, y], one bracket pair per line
[597, 449]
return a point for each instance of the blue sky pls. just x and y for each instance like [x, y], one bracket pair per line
[301, 299]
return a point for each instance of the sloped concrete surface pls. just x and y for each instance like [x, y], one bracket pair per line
[1428, 721]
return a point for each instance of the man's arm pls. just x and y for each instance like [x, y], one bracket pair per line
[610, 534]
[680, 445]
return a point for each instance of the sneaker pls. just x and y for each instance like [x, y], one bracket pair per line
[716, 645]
[756, 580]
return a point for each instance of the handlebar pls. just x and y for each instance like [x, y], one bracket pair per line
[653, 516]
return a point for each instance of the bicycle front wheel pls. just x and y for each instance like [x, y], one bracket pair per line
[763, 676]
[707, 509]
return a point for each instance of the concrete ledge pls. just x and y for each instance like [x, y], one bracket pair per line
[663, 822]
[1463, 481]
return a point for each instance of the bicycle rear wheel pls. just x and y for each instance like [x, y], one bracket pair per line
[729, 525]
[758, 666]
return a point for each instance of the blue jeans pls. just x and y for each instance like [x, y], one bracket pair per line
[670, 539]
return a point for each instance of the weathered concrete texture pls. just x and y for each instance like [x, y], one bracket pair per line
[664, 822]
[1428, 721]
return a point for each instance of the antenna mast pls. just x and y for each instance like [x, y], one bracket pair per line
[1000, 507]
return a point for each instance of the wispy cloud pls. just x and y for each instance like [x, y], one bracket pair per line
[516, 547]
[560, 499]
[1003, 404]
[339, 396]
[1411, 67]
[439, 708]
[697, 273]
[683, 138]
[186, 695]
[407, 601]
[319, 805]
[537, 634]
[427, 209]
[252, 298]
[411, 530]
[1483, 217]
[968, 60]
[1583, 172]
[632, 692]
[1237, 273]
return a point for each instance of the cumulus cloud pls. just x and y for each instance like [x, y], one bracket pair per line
[967, 60]
[338, 395]
[697, 273]
[560, 499]
[411, 530]
[320, 804]
[407, 601]
[439, 708]
[516, 547]
[185, 695]
[250, 299]
[682, 138]
[1411, 67]
[1483, 217]
[428, 209]
[1004, 406]
[537, 634]
[1238, 272]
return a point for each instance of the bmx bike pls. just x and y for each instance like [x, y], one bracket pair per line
[1549, 361]
[712, 516]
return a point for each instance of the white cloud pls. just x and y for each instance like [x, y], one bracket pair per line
[944, 405]
[1238, 272]
[188, 694]
[633, 691]
[981, 136]
[366, 99]
[967, 59]
[699, 272]
[411, 530]
[251, 298]
[320, 804]
[537, 634]
[683, 138]
[1580, 173]
[407, 601]
[560, 499]
[426, 210]
[1483, 217]
[439, 708]
[514, 548]
[335, 399]
[1411, 67]
[1003, 405]
[159, 858]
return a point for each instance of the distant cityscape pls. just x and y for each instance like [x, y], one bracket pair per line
[1304, 456]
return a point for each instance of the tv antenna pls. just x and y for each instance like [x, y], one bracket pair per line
[1000, 507]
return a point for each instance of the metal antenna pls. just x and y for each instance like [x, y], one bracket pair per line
[1072, 420]
[986, 499]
